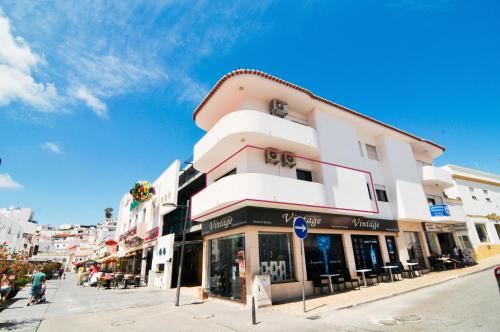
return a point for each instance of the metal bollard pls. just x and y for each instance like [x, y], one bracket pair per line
[254, 319]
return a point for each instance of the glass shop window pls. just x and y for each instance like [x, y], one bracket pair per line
[276, 256]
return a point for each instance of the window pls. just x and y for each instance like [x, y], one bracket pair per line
[481, 232]
[487, 195]
[324, 254]
[304, 175]
[433, 200]
[392, 250]
[371, 152]
[381, 193]
[472, 193]
[360, 148]
[231, 172]
[369, 191]
[276, 256]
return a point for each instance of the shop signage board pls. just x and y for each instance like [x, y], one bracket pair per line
[439, 210]
[285, 218]
[438, 227]
[261, 290]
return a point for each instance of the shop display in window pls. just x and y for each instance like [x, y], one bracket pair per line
[324, 254]
[276, 256]
[366, 251]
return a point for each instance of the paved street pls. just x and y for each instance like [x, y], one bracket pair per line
[468, 303]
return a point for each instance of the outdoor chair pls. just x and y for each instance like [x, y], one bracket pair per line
[338, 281]
[348, 279]
[318, 283]
[372, 277]
[436, 265]
[136, 281]
[380, 274]
[118, 280]
[417, 267]
[404, 273]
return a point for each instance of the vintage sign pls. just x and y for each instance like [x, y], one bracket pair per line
[284, 218]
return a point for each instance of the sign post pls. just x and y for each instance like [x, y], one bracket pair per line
[300, 230]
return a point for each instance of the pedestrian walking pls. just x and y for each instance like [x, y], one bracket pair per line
[36, 285]
[61, 273]
[5, 288]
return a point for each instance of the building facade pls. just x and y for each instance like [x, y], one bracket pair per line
[273, 151]
[479, 194]
[17, 229]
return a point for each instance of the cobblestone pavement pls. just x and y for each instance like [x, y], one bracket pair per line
[456, 302]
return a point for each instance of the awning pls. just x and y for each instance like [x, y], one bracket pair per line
[132, 250]
[110, 242]
[108, 259]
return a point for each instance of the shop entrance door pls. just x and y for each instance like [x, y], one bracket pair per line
[414, 248]
[446, 242]
[227, 267]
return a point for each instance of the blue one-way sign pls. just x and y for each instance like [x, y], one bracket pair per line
[300, 227]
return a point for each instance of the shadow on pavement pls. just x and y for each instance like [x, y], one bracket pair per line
[12, 325]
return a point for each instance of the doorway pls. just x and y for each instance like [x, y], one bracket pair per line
[414, 247]
[446, 242]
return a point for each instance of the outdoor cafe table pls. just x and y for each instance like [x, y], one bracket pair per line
[390, 267]
[411, 265]
[363, 271]
[330, 276]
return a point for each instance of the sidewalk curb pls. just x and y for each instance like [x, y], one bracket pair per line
[415, 289]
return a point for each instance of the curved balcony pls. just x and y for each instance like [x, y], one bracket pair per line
[241, 128]
[432, 175]
[254, 186]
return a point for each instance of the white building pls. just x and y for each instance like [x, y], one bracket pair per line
[143, 247]
[479, 192]
[362, 185]
[17, 229]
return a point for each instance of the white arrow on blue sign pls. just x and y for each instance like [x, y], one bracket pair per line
[300, 227]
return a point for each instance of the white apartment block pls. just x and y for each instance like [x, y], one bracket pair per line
[17, 229]
[272, 151]
[143, 247]
[479, 193]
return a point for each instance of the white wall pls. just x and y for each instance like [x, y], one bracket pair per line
[405, 184]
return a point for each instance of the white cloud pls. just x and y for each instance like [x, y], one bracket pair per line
[52, 147]
[6, 182]
[115, 48]
[16, 80]
[93, 102]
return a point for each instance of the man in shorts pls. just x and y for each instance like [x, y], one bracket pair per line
[36, 285]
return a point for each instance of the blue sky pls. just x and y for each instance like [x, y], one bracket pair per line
[95, 95]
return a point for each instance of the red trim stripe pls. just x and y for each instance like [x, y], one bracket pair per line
[284, 203]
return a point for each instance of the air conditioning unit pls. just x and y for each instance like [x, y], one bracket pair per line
[278, 108]
[272, 157]
[288, 159]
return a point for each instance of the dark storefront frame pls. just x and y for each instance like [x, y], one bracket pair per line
[258, 216]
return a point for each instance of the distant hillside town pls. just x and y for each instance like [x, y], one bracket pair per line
[68, 244]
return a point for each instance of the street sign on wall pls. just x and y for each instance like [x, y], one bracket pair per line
[439, 210]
